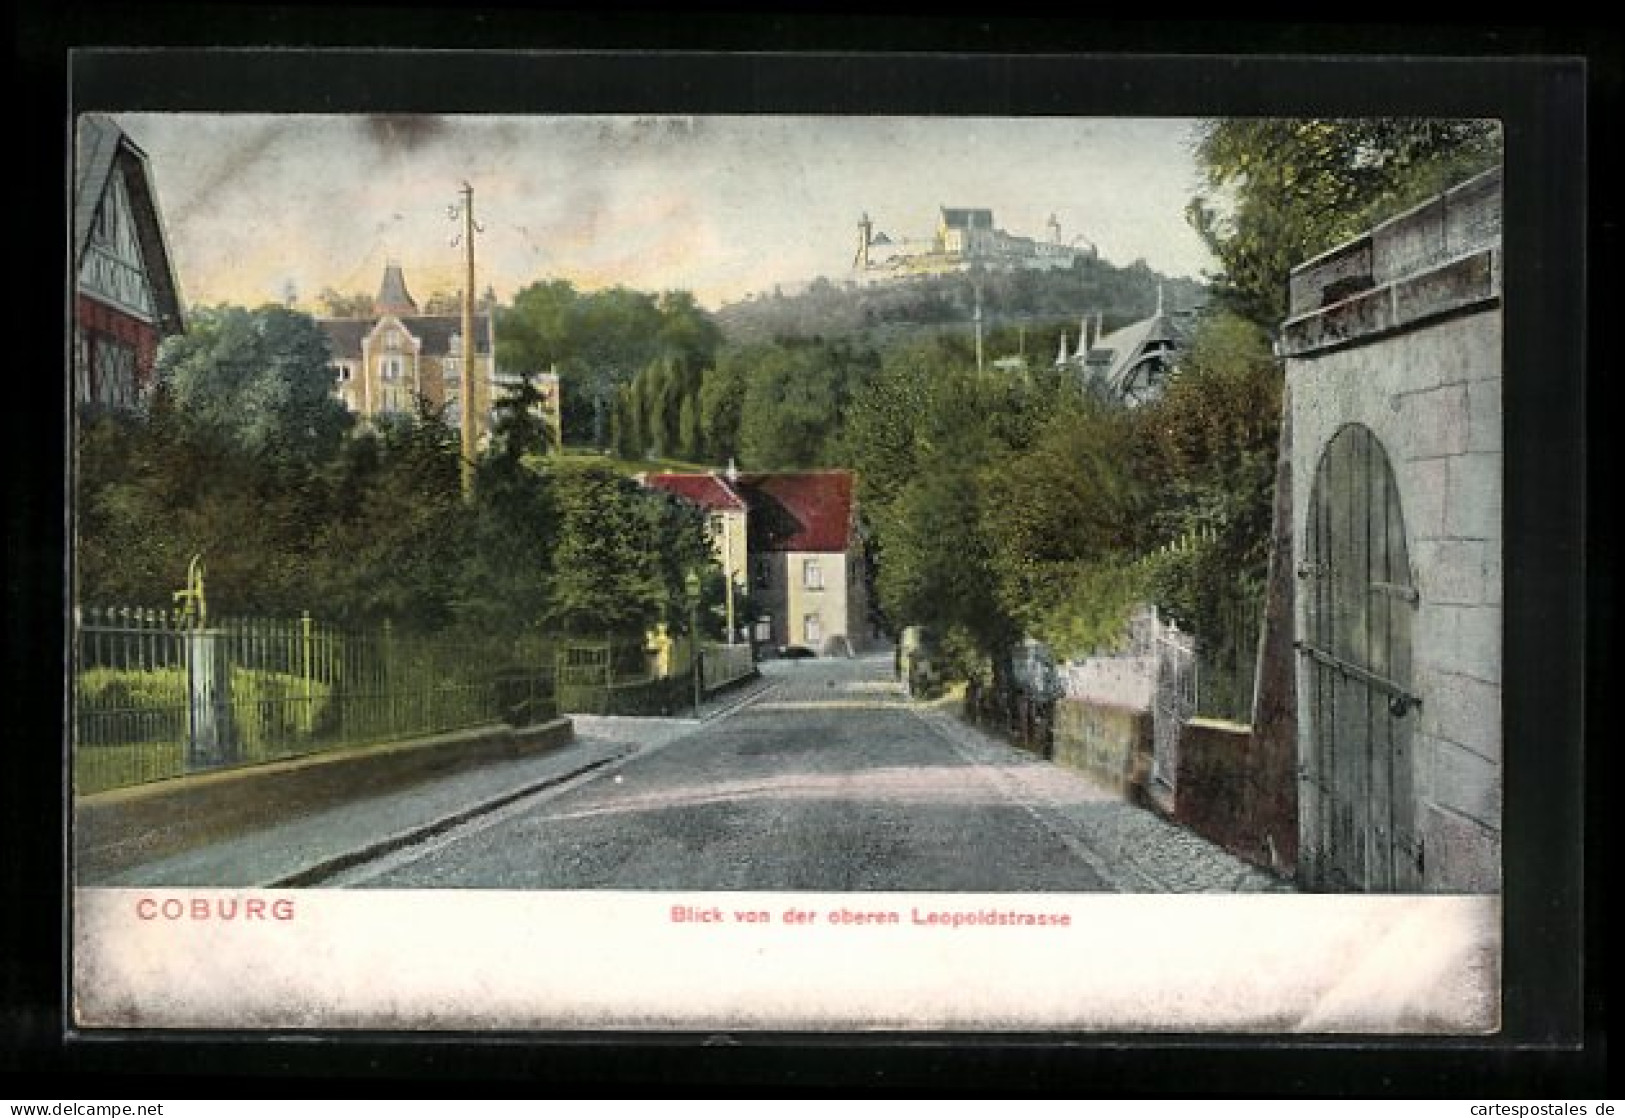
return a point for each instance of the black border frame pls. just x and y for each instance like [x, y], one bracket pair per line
[1553, 1004]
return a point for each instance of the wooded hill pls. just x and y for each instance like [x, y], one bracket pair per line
[899, 310]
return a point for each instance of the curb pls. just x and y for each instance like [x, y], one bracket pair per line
[321, 871]
[123, 828]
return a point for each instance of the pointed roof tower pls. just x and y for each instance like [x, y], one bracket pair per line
[393, 298]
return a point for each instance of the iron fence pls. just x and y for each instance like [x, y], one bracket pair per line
[1229, 657]
[156, 697]
[605, 677]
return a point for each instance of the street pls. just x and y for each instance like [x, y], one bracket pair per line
[825, 778]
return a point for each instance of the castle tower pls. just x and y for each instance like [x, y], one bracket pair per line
[393, 298]
[865, 234]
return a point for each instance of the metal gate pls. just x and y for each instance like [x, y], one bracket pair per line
[1173, 701]
[1359, 600]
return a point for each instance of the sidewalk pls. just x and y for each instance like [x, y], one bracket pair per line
[308, 849]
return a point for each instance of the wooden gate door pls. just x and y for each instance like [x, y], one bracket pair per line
[1359, 601]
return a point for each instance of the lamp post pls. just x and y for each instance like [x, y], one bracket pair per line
[691, 584]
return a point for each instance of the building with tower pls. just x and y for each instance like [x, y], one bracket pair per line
[386, 362]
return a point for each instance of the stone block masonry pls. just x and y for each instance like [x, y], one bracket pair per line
[1400, 331]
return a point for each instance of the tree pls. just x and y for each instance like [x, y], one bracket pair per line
[621, 553]
[1281, 191]
[1065, 519]
[924, 435]
[396, 541]
[444, 303]
[336, 305]
[1209, 447]
[796, 396]
[262, 378]
[519, 426]
[599, 342]
[721, 400]
[154, 491]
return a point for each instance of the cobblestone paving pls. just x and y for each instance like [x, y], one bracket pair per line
[1132, 847]
[1143, 852]
[827, 777]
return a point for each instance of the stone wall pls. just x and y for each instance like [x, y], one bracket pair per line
[1111, 744]
[126, 826]
[1228, 791]
[1120, 681]
[1401, 331]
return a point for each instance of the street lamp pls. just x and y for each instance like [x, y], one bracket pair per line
[691, 584]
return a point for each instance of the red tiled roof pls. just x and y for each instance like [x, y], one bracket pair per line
[807, 511]
[706, 490]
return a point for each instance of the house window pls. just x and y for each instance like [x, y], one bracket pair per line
[342, 372]
[106, 228]
[812, 574]
[764, 628]
[81, 363]
[113, 372]
[812, 630]
[390, 368]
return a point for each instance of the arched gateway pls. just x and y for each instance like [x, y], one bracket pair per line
[1359, 604]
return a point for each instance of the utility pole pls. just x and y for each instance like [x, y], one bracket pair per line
[470, 404]
[978, 328]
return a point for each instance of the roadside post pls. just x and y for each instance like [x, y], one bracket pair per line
[691, 584]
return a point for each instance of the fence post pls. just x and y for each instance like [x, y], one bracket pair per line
[209, 740]
[307, 666]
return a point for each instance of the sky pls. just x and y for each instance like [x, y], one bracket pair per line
[722, 206]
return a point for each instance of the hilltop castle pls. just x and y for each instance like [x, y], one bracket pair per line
[964, 238]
